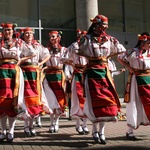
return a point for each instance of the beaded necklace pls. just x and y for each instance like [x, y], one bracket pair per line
[54, 50]
[8, 43]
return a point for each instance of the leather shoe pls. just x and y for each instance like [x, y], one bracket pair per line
[96, 137]
[27, 131]
[80, 130]
[33, 132]
[51, 128]
[2, 137]
[129, 137]
[85, 130]
[102, 139]
[10, 137]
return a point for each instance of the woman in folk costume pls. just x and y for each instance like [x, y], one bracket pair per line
[137, 95]
[77, 96]
[11, 87]
[54, 81]
[102, 102]
[31, 70]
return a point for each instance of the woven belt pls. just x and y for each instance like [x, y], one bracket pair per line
[97, 60]
[29, 64]
[55, 68]
[8, 61]
[138, 71]
[11, 62]
[79, 66]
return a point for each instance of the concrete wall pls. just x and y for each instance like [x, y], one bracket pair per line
[85, 9]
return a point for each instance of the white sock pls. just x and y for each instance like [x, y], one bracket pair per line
[3, 121]
[31, 120]
[26, 123]
[94, 127]
[12, 121]
[52, 119]
[57, 119]
[77, 122]
[84, 122]
[38, 119]
[101, 129]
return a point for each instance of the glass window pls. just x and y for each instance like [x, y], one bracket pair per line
[135, 14]
[58, 14]
[22, 12]
[113, 10]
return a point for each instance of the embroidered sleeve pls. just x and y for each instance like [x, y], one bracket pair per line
[44, 52]
[27, 50]
[115, 46]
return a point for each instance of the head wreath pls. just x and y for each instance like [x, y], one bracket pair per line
[9, 25]
[58, 33]
[27, 30]
[100, 19]
[143, 37]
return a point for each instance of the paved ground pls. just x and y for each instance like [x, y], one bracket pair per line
[67, 138]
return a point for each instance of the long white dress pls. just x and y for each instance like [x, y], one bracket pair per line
[53, 104]
[14, 52]
[40, 53]
[77, 60]
[135, 112]
[91, 48]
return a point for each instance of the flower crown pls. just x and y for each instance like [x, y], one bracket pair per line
[79, 32]
[59, 33]
[143, 37]
[9, 25]
[100, 19]
[27, 29]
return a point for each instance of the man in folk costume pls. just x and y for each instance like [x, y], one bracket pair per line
[31, 71]
[54, 82]
[77, 96]
[12, 85]
[102, 102]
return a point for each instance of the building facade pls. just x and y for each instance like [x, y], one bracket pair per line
[127, 18]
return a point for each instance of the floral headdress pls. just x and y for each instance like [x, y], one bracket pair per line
[27, 29]
[143, 37]
[9, 25]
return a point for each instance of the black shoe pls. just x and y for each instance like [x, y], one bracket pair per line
[51, 128]
[39, 125]
[33, 132]
[132, 138]
[103, 141]
[85, 130]
[27, 131]
[10, 138]
[79, 130]
[96, 137]
[2, 137]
